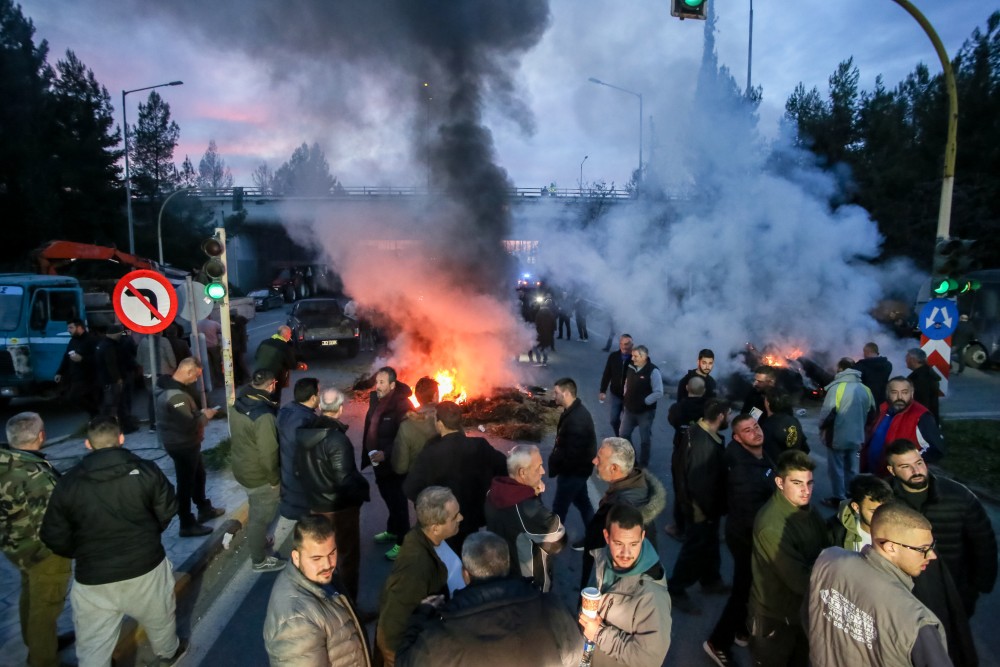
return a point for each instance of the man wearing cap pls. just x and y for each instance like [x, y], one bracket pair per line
[255, 463]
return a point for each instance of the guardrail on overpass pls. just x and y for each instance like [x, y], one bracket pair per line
[254, 194]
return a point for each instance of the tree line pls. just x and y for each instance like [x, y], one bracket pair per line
[892, 142]
[61, 160]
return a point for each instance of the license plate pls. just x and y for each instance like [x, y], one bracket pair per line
[329, 342]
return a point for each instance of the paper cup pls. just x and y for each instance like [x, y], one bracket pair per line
[591, 601]
[370, 455]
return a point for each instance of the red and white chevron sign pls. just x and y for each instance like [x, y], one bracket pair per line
[939, 358]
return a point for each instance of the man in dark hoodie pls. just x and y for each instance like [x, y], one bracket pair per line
[255, 463]
[333, 484]
[296, 414]
[181, 428]
[388, 405]
[107, 513]
[515, 512]
[465, 465]
[627, 485]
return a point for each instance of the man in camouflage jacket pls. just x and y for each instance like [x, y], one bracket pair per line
[26, 482]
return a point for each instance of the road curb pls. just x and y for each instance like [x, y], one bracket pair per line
[133, 634]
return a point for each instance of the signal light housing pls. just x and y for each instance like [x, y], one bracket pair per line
[689, 9]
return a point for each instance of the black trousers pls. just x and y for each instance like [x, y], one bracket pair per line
[390, 487]
[778, 643]
[190, 473]
[733, 620]
[699, 560]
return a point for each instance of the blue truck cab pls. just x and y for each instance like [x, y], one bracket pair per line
[34, 312]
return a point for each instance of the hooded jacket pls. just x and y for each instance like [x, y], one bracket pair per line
[532, 531]
[324, 461]
[107, 513]
[843, 527]
[180, 423]
[307, 626]
[636, 612]
[853, 409]
[254, 439]
[638, 489]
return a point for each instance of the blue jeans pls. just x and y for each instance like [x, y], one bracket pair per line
[644, 420]
[572, 489]
[615, 410]
[843, 466]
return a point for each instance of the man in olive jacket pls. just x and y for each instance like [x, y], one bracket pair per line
[255, 463]
[307, 622]
[335, 488]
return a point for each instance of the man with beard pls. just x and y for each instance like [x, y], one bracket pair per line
[706, 361]
[749, 486]
[334, 486]
[632, 625]
[308, 622]
[875, 371]
[387, 407]
[627, 485]
[764, 378]
[77, 368]
[925, 380]
[788, 536]
[702, 493]
[465, 465]
[643, 388]
[901, 418]
[782, 429]
[966, 545]
[613, 380]
[861, 610]
[572, 459]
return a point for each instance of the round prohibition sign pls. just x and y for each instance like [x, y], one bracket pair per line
[145, 301]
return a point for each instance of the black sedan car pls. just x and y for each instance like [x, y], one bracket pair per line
[320, 324]
[265, 299]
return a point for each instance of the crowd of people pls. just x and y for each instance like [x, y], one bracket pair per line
[892, 578]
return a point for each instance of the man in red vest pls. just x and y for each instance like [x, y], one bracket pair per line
[900, 417]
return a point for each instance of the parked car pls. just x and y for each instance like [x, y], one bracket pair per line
[266, 299]
[320, 324]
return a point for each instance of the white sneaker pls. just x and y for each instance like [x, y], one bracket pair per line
[269, 564]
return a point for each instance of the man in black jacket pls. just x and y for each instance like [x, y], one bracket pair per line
[749, 484]
[494, 620]
[255, 463]
[613, 380]
[702, 492]
[643, 389]
[107, 513]
[181, 427]
[334, 486]
[465, 465]
[387, 407]
[277, 355]
[966, 542]
[925, 380]
[77, 368]
[296, 414]
[572, 459]
[706, 362]
[681, 415]
[875, 371]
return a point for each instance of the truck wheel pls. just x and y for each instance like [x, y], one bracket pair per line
[975, 355]
[352, 349]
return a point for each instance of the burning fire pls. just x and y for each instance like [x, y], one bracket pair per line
[449, 389]
[772, 356]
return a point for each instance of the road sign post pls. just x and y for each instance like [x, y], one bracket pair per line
[938, 320]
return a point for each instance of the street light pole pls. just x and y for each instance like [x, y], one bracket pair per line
[581, 173]
[630, 92]
[159, 218]
[128, 175]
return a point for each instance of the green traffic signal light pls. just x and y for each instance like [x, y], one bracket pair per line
[215, 291]
[694, 3]
[970, 286]
[945, 286]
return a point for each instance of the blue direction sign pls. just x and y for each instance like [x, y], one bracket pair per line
[938, 319]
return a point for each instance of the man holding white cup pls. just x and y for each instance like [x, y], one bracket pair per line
[629, 578]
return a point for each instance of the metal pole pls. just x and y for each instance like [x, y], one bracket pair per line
[750, 51]
[159, 220]
[581, 173]
[640, 135]
[128, 182]
[196, 342]
[224, 320]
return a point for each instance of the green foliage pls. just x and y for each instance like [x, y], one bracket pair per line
[217, 458]
[212, 170]
[152, 141]
[893, 142]
[306, 173]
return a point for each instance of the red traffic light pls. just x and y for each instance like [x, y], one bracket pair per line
[212, 247]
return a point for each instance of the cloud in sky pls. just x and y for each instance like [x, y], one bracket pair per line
[362, 116]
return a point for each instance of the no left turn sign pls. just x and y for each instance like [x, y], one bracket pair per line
[145, 301]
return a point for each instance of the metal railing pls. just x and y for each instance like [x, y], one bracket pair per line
[361, 191]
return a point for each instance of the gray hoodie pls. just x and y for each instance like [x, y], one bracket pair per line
[853, 407]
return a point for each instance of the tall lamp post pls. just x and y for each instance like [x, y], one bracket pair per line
[128, 176]
[159, 218]
[581, 173]
[630, 92]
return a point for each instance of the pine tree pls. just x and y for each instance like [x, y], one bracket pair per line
[212, 170]
[151, 148]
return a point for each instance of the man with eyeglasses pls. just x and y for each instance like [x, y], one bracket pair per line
[861, 610]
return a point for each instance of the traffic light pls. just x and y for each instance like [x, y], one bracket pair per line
[215, 268]
[953, 258]
[689, 9]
